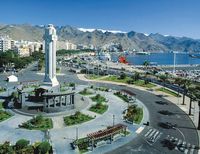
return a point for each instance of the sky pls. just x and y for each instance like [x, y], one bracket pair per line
[167, 17]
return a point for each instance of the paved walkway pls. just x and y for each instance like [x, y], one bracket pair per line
[58, 122]
[61, 135]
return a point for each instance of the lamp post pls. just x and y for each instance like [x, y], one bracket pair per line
[113, 119]
[77, 133]
[174, 70]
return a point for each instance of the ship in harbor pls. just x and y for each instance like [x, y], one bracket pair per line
[142, 53]
[194, 55]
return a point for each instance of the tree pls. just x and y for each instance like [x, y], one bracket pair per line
[136, 76]
[6, 148]
[163, 78]
[197, 97]
[44, 147]
[178, 81]
[22, 143]
[191, 91]
[186, 84]
[122, 76]
[146, 64]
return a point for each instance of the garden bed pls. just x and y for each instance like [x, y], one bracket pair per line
[38, 123]
[77, 118]
[4, 115]
[23, 146]
[122, 96]
[98, 99]
[99, 108]
[134, 114]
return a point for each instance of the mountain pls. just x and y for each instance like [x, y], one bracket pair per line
[99, 37]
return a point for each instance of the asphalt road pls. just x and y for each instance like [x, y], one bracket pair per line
[184, 133]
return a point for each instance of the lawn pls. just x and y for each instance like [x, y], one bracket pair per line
[116, 79]
[1, 105]
[38, 123]
[98, 99]
[77, 118]
[142, 84]
[127, 80]
[93, 76]
[99, 108]
[168, 91]
[123, 97]
[4, 115]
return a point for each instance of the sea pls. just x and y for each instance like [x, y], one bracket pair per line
[161, 59]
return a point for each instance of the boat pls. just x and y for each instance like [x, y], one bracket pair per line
[194, 56]
[143, 53]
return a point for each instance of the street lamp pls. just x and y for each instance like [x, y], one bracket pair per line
[77, 133]
[174, 70]
[113, 119]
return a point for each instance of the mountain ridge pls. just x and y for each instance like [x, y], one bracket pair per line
[99, 37]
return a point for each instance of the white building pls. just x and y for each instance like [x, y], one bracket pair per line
[66, 45]
[71, 46]
[12, 78]
[23, 51]
[5, 43]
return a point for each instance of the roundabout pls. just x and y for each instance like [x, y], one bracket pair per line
[61, 134]
[137, 141]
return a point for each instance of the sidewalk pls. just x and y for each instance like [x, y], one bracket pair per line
[175, 100]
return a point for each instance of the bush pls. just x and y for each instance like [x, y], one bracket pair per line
[122, 76]
[71, 84]
[22, 143]
[44, 147]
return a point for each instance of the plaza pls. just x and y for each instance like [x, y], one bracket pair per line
[107, 116]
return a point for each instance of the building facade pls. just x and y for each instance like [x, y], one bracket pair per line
[5, 43]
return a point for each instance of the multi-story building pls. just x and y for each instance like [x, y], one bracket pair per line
[66, 45]
[21, 47]
[5, 43]
[71, 46]
[23, 51]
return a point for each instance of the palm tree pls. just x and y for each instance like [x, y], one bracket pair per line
[186, 84]
[163, 78]
[191, 92]
[178, 81]
[197, 96]
[136, 76]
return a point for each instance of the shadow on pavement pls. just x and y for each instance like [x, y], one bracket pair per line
[165, 112]
[169, 144]
[161, 102]
[167, 125]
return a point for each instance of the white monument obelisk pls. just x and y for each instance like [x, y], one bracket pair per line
[50, 38]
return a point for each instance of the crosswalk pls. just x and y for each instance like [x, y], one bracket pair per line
[152, 135]
[181, 145]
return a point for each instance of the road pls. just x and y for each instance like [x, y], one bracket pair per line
[156, 105]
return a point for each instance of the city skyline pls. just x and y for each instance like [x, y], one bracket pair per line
[176, 18]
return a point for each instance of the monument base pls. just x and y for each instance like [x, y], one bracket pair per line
[50, 88]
